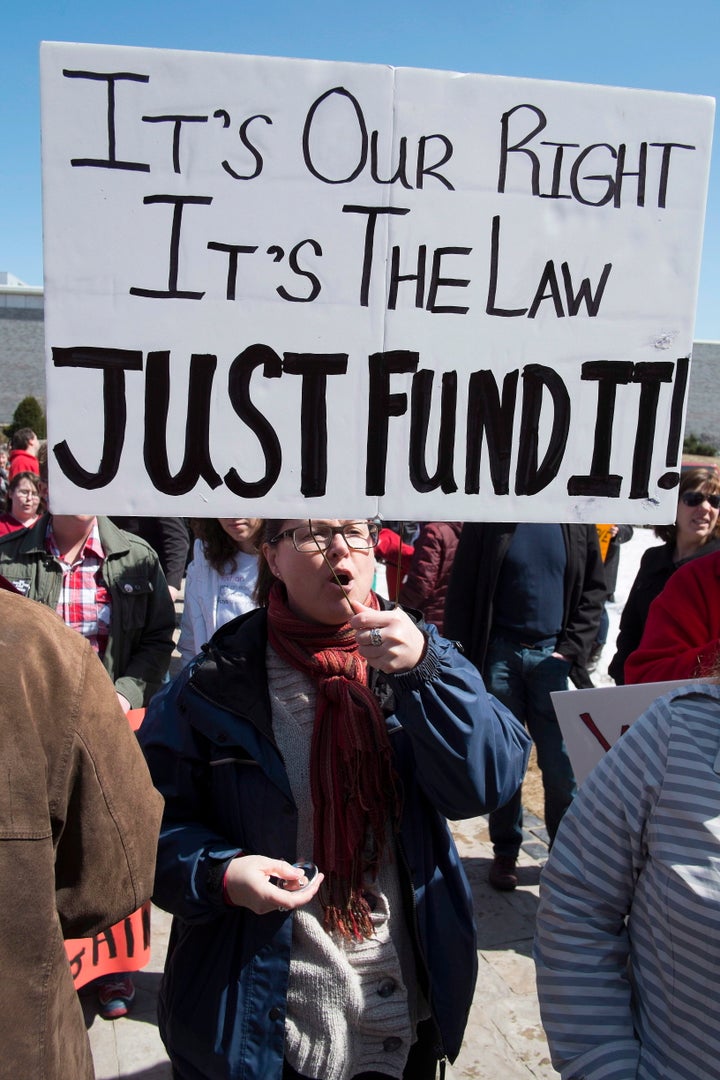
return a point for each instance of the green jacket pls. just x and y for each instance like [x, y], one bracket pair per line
[142, 618]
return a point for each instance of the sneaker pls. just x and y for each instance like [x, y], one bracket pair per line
[115, 997]
[503, 874]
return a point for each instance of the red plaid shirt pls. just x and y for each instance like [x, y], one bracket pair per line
[84, 602]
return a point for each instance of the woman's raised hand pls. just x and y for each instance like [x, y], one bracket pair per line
[389, 640]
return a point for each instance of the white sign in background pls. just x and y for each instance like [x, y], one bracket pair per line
[593, 720]
[294, 288]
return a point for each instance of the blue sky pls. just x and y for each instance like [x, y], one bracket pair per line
[652, 44]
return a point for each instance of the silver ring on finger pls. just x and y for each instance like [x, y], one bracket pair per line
[375, 636]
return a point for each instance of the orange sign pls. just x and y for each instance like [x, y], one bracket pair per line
[122, 947]
[604, 536]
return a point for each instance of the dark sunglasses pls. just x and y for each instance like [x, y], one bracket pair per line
[695, 498]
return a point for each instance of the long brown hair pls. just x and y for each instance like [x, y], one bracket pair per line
[705, 480]
[220, 550]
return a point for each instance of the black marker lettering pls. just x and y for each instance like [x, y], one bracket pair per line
[178, 122]
[233, 250]
[531, 477]
[438, 282]
[314, 369]
[682, 370]
[488, 414]
[241, 371]
[362, 131]
[196, 459]
[396, 277]
[373, 212]
[519, 147]
[491, 307]
[296, 269]
[178, 203]
[382, 405]
[113, 363]
[599, 482]
[431, 170]
[667, 149]
[649, 376]
[421, 398]
[110, 78]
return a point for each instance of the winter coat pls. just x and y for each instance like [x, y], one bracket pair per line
[209, 743]
[426, 584]
[474, 577]
[78, 829]
[682, 633]
[142, 622]
[655, 570]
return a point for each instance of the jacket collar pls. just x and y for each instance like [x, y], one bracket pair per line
[232, 673]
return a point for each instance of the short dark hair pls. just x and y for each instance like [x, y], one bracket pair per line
[16, 481]
[22, 438]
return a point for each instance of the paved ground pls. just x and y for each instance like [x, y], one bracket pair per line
[504, 1039]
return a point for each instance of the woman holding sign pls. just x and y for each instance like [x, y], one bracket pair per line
[323, 923]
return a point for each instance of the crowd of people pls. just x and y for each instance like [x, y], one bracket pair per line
[320, 732]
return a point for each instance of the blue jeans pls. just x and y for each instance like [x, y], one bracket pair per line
[522, 678]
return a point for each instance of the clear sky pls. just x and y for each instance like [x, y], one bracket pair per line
[652, 44]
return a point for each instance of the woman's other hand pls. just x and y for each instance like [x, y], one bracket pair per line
[248, 883]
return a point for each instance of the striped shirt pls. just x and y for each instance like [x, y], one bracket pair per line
[628, 934]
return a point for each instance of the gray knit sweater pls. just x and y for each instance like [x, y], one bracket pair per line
[352, 1007]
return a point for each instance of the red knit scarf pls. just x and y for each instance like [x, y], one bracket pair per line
[352, 781]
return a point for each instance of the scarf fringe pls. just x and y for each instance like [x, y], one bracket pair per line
[353, 921]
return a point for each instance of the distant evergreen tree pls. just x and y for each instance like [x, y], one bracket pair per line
[699, 444]
[29, 413]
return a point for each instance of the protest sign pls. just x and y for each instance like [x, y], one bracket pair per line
[293, 288]
[121, 948]
[593, 720]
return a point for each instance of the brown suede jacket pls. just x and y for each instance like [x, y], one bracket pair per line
[79, 821]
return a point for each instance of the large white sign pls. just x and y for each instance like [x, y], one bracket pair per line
[593, 720]
[294, 288]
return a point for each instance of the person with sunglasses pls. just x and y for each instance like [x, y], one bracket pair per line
[309, 758]
[695, 532]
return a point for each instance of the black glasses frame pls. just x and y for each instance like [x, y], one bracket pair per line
[373, 533]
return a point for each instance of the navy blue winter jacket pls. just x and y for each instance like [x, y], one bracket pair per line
[209, 745]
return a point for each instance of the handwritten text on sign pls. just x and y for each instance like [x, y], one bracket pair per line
[297, 287]
[121, 948]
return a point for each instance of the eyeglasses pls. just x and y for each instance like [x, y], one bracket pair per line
[26, 493]
[358, 535]
[696, 498]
